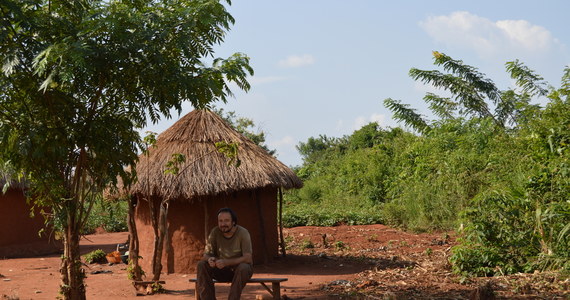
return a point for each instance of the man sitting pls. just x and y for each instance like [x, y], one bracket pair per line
[227, 257]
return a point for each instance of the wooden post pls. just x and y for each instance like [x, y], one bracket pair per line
[261, 227]
[282, 240]
[206, 233]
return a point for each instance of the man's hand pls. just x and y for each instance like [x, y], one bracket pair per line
[212, 261]
[220, 263]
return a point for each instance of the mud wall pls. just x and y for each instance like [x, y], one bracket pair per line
[19, 232]
[256, 211]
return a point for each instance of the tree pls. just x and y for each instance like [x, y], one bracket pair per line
[314, 148]
[494, 159]
[78, 78]
[366, 137]
[244, 126]
[472, 94]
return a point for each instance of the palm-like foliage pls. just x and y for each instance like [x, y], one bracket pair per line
[472, 94]
[409, 116]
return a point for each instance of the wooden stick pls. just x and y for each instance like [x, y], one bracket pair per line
[261, 227]
[282, 240]
[206, 233]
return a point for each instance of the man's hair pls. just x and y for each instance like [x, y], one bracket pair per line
[230, 211]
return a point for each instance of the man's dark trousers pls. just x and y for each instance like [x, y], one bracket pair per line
[237, 275]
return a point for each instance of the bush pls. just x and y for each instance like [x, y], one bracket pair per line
[110, 215]
[323, 215]
[95, 256]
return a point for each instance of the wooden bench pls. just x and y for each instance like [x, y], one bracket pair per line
[275, 289]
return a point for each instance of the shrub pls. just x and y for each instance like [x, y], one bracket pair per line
[95, 256]
[110, 215]
[307, 244]
[340, 245]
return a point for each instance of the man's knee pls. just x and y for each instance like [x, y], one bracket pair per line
[244, 269]
[202, 265]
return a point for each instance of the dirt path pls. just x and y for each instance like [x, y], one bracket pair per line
[373, 262]
[38, 277]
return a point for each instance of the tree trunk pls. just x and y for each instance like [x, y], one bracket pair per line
[162, 232]
[154, 223]
[134, 241]
[72, 275]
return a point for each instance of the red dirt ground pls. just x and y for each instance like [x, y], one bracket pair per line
[344, 262]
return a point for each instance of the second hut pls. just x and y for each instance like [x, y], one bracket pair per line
[206, 182]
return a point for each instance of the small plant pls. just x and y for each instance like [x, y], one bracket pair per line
[307, 244]
[428, 252]
[373, 238]
[131, 270]
[95, 256]
[288, 241]
[157, 288]
[340, 245]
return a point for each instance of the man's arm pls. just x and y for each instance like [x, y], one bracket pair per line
[245, 258]
[209, 250]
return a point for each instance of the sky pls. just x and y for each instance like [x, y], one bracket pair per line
[325, 67]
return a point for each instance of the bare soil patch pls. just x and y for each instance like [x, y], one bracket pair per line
[344, 262]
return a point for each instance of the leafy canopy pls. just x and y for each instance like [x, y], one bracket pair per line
[473, 95]
[78, 78]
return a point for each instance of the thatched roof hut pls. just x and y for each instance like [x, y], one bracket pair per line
[206, 181]
[207, 170]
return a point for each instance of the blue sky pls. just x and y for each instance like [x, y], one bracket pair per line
[325, 67]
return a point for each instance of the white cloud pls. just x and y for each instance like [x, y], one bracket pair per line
[296, 61]
[283, 142]
[375, 117]
[530, 36]
[286, 150]
[378, 118]
[359, 122]
[487, 37]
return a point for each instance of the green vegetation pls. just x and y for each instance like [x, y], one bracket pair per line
[134, 269]
[79, 77]
[492, 165]
[307, 244]
[340, 245]
[344, 178]
[95, 256]
[244, 126]
[109, 215]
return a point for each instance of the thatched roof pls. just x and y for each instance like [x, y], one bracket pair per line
[206, 171]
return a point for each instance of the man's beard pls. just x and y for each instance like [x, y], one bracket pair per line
[226, 229]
